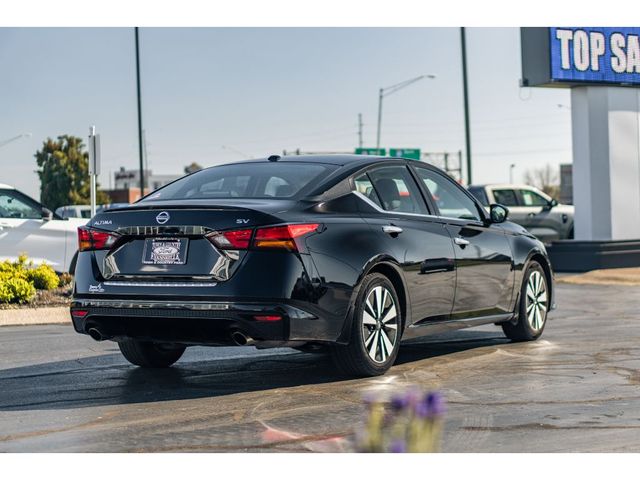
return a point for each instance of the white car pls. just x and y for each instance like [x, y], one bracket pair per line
[26, 226]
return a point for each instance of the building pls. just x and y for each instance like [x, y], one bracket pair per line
[127, 184]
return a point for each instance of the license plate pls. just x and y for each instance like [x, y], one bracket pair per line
[165, 251]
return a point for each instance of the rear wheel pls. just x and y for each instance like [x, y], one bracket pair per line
[149, 354]
[375, 331]
[533, 307]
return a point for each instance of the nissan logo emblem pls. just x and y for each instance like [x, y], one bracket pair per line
[162, 218]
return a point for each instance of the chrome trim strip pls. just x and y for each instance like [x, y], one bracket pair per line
[155, 304]
[477, 223]
[160, 284]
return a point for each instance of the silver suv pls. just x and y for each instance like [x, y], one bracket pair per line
[533, 209]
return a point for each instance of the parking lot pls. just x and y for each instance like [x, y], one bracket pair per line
[576, 389]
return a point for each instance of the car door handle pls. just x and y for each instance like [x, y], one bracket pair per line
[392, 229]
[531, 214]
[461, 241]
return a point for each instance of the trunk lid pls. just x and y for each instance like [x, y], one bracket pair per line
[167, 239]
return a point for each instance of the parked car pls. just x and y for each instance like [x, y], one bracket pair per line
[349, 252]
[83, 211]
[533, 209]
[26, 226]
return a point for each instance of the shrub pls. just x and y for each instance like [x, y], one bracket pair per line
[16, 290]
[65, 279]
[19, 280]
[43, 277]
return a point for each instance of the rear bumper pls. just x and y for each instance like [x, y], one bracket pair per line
[197, 322]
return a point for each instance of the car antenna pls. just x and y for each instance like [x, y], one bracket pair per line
[274, 158]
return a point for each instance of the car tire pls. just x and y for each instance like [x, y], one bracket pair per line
[533, 306]
[376, 329]
[149, 354]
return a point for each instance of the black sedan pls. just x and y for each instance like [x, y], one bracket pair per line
[347, 254]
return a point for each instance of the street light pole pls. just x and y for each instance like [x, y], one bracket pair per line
[467, 133]
[140, 139]
[383, 92]
[13, 139]
[511, 167]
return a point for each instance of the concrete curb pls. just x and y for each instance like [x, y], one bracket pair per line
[34, 316]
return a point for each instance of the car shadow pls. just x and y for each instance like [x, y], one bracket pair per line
[107, 380]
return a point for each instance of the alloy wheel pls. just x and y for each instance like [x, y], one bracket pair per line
[537, 299]
[380, 324]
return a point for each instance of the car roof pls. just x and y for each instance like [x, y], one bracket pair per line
[6, 187]
[504, 185]
[331, 159]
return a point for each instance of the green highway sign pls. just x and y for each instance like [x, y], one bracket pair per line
[371, 151]
[413, 153]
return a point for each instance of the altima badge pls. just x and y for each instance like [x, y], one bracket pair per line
[162, 218]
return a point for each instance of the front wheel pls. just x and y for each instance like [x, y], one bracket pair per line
[375, 330]
[533, 306]
[149, 354]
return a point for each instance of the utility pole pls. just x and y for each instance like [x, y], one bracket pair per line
[140, 139]
[467, 133]
[360, 130]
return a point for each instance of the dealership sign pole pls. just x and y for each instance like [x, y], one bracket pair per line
[94, 165]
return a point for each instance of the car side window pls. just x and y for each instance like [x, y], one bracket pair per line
[11, 206]
[506, 197]
[532, 199]
[364, 186]
[449, 197]
[397, 190]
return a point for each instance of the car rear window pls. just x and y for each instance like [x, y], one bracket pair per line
[245, 180]
[480, 195]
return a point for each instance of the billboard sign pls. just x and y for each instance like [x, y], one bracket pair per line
[413, 153]
[569, 56]
[371, 151]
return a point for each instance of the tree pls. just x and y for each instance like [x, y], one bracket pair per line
[193, 167]
[63, 168]
[545, 178]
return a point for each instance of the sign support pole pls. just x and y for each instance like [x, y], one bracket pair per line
[94, 165]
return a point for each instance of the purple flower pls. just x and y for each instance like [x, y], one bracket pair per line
[400, 402]
[435, 404]
[398, 446]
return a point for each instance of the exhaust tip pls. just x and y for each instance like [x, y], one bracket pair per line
[95, 334]
[241, 339]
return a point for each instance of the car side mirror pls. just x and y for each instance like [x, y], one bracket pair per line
[47, 214]
[498, 213]
[552, 203]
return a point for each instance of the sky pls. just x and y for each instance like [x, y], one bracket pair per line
[216, 95]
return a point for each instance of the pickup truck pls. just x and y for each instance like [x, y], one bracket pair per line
[536, 211]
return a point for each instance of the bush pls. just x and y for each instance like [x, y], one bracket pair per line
[16, 290]
[43, 277]
[65, 279]
[19, 280]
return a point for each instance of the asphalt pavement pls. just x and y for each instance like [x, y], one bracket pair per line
[577, 389]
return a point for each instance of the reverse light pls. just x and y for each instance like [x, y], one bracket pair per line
[231, 239]
[90, 239]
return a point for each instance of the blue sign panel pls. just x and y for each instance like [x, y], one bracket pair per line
[595, 54]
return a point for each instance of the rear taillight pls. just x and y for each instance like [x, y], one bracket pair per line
[90, 239]
[282, 237]
[285, 237]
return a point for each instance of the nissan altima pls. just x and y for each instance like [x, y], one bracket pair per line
[346, 254]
